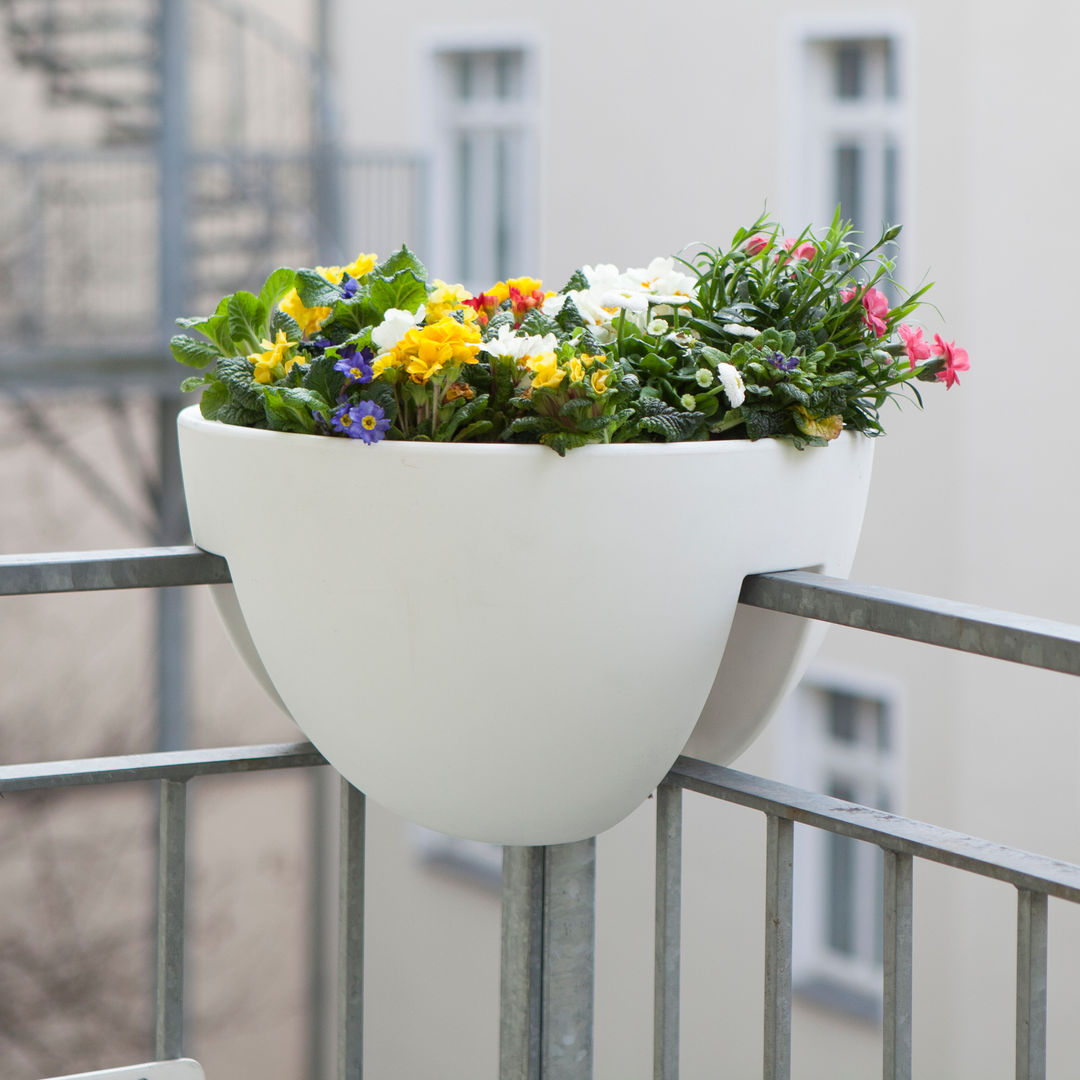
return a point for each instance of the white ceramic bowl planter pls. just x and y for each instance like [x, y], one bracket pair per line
[507, 645]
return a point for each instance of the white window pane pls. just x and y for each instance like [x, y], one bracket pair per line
[847, 182]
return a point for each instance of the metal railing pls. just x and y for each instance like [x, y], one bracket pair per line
[548, 892]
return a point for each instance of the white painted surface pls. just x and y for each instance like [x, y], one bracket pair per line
[465, 630]
[181, 1069]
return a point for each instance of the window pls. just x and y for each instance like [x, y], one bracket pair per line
[841, 737]
[850, 115]
[484, 188]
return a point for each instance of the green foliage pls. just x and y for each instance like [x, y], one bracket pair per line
[772, 337]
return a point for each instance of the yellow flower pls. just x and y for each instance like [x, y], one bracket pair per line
[577, 370]
[524, 285]
[546, 371]
[361, 265]
[272, 364]
[446, 298]
[426, 350]
[308, 318]
[599, 380]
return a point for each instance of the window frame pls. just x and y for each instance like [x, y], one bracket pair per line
[815, 120]
[443, 117]
[805, 758]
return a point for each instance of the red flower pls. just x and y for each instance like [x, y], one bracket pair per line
[917, 349]
[523, 303]
[756, 244]
[483, 305]
[805, 250]
[956, 359]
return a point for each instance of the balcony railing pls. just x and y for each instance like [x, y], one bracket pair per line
[548, 892]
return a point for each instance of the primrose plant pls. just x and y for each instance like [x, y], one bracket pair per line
[774, 336]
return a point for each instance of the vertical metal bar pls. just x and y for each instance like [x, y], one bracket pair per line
[172, 843]
[171, 603]
[779, 862]
[897, 922]
[318, 871]
[520, 985]
[1031, 940]
[566, 1025]
[173, 167]
[668, 932]
[351, 936]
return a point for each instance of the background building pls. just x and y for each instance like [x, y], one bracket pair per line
[500, 145]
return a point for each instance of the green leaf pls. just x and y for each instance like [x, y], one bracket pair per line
[536, 322]
[577, 283]
[569, 317]
[315, 290]
[789, 393]
[213, 398]
[476, 428]
[231, 413]
[292, 408]
[561, 441]
[401, 260]
[194, 382]
[196, 354]
[404, 291]
[215, 327]
[238, 376]
[276, 286]
[281, 321]
[322, 378]
[248, 320]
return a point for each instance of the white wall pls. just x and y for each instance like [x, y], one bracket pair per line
[668, 127]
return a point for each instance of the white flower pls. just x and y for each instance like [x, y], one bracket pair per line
[663, 281]
[518, 346]
[553, 304]
[740, 331]
[395, 325]
[689, 402]
[732, 382]
[685, 338]
[628, 301]
[657, 327]
[704, 376]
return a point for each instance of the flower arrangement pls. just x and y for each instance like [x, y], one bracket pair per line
[776, 336]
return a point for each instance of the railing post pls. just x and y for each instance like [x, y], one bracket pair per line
[351, 935]
[546, 1023]
[778, 897]
[1031, 941]
[896, 961]
[172, 856]
[668, 932]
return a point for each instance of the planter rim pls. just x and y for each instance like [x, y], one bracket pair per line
[193, 417]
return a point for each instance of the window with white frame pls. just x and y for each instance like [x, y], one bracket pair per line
[484, 194]
[842, 738]
[850, 115]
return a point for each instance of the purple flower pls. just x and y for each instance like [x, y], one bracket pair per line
[784, 363]
[356, 368]
[349, 287]
[365, 421]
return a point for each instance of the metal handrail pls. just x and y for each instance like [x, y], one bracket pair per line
[547, 927]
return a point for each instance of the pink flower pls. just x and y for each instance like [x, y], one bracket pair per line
[956, 359]
[805, 250]
[917, 349]
[756, 244]
[877, 307]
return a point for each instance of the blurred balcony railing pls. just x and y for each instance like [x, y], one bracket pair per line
[548, 893]
[80, 238]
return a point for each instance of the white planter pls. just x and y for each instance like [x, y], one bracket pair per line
[507, 645]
